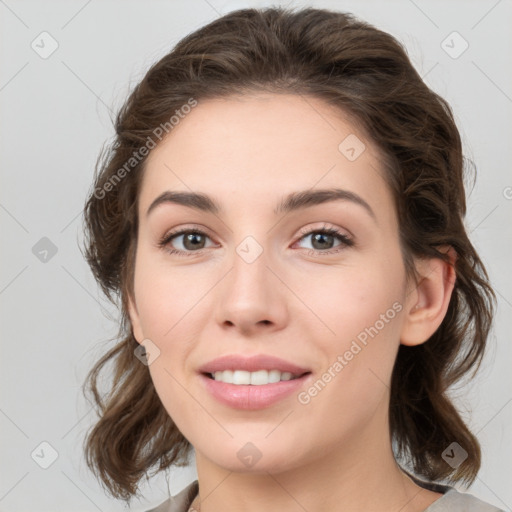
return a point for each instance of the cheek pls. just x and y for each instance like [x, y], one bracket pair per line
[168, 303]
[165, 296]
[362, 309]
[348, 302]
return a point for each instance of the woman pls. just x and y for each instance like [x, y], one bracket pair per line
[281, 217]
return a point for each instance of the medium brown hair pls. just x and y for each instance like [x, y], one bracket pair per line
[367, 75]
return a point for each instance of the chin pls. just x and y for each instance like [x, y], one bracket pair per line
[254, 458]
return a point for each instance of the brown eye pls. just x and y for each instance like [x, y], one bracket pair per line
[185, 242]
[323, 239]
[193, 241]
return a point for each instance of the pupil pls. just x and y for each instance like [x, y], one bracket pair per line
[321, 235]
[192, 237]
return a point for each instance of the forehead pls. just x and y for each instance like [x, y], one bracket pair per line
[254, 149]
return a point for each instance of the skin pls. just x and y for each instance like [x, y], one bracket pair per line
[294, 302]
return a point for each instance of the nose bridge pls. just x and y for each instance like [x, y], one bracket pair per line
[251, 293]
[249, 270]
[252, 241]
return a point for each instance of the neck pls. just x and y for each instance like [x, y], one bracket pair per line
[361, 475]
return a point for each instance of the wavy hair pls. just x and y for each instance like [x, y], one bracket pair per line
[366, 74]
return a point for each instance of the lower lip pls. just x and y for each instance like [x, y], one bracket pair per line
[251, 397]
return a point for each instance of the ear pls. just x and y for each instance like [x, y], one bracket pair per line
[428, 298]
[135, 320]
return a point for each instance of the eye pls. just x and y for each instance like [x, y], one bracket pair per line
[192, 241]
[323, 238]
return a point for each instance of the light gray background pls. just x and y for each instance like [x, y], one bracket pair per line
[55, 114]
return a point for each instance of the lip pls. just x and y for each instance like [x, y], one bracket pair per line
[251, 364]
[251, 397]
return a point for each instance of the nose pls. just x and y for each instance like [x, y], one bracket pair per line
[252, 297]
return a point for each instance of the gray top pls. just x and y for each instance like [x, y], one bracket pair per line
[451, 501]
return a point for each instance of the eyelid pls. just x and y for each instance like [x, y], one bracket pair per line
[326, 226]
[186, 228]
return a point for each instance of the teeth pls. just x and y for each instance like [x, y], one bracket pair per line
[258, 378]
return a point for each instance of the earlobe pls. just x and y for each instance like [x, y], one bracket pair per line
[135, 320]
[428, 299]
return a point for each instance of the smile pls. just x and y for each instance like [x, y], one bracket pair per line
[252, 396]
[257, 378]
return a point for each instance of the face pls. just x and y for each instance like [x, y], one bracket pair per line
[248, 280]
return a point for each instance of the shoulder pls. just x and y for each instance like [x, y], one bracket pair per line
[181, 502]
[451, 501]
[454, 501]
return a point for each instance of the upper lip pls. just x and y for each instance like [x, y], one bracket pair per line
[251, 364]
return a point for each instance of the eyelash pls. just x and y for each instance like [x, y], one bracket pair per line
[344, 239]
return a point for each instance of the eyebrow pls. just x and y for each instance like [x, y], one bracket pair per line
[292, 202]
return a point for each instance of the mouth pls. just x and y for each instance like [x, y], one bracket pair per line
[252, 391]
[256, 378]
[252, 382]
